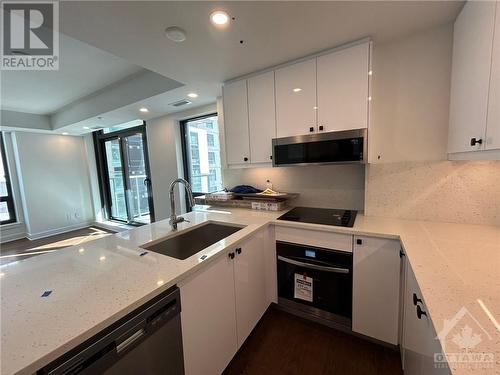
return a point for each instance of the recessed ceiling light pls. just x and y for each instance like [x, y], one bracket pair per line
[370, 73]
[64, 133]
[297, 89]
[102, 258]
[192, 95]
[219, 18]
[86, 127]
[175, 34]
[144, 109]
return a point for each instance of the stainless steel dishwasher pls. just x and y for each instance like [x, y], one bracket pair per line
[147, 341]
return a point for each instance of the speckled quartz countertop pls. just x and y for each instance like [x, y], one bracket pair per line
[95, 284]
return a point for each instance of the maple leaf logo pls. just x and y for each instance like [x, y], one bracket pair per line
[466, 339]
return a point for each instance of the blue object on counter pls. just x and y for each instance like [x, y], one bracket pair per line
[245, 189]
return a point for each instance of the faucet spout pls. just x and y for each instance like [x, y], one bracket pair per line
[174, 220]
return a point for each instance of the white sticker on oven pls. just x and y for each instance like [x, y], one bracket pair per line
[303, 287]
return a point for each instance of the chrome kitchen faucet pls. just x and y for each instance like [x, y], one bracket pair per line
[174, 219]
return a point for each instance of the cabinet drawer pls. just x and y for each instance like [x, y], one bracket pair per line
[328, 240]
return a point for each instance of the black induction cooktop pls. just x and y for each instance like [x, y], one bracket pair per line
[326, 216]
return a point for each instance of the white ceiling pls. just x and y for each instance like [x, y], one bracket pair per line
[273, 32]
[84, 69]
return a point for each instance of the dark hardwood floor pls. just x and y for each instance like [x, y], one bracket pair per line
[24, 248]
[285, 344]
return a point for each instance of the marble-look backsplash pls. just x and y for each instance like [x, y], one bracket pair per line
[448, 191]
[329, 186]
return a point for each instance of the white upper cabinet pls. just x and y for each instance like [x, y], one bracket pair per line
[296, 99]
[343, 89]
[236, 122]
[261, 117]
[284, 103]
[375, 293]
[470, 78]
[493, 124]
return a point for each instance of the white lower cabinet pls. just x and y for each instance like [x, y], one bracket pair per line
[221, 304]
[419, 339]
[376, 283]
[249, 285]
[208, 319]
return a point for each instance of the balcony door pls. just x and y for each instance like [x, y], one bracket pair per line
[125, 176]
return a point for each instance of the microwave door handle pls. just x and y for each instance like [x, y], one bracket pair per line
[313, 266]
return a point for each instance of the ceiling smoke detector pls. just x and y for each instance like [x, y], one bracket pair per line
[175, 34]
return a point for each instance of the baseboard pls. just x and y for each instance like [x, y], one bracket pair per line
[12, 237]
[53, 232]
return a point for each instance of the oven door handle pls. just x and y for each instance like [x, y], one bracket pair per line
[313, 266]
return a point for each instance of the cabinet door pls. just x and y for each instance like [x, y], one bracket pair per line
[250, 285]
[420, 342]
[414, 337]
[376, 282]
[343, 89]
[296, 99]
[261, 117]
[493, 125]
[470, 78]
[236, 122]
[208, 319]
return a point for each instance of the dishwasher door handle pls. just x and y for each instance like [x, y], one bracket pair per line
[130, 340]
[313, 266]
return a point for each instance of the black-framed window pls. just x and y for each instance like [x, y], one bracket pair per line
[7, 210]
[201, 153]
[124, 175]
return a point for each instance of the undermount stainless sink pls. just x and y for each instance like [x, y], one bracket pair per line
[191, 241]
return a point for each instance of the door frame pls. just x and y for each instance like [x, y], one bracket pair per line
[185, 156]
[102, 172]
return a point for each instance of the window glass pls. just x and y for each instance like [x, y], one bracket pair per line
[7, 212]
[202, 156]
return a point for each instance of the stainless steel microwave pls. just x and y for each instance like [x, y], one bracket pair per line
[347, 146]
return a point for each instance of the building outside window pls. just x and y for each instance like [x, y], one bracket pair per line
[210, 140]
[211, 158]
[202, 163]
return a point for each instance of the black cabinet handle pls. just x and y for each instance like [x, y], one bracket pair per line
[416, 299]
[420, 312]
[231, 255]
[321, 128]
[359, 241]
[271, 157]
[401, 253]
[474, 141]
[238, 250]
[311, 129]
[245, 158]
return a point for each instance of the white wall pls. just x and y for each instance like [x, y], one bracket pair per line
[410, 97]
[165, 157]
[54, 182]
